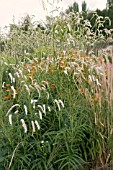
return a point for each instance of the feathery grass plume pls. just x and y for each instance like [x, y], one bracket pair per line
[107, 81]
[6, 63]
[27, 88]
[20, 71]
[12, 108]
[25, 108]
[3, 84]
[33, 126]
[43, 87]
[49, 108]
[14, 92]
[11, 77]
[47, 95]
[38, 88]
[24, 125]
[66, 70]
[10, 119]
[58, 102]
[42, 142]
[33, 102]
[43, 108]
[40, 115]
[17, 74]
[97, 82]
[37, 124]
[16, 112]
[46, 83]
[90, 78]
[61, 102]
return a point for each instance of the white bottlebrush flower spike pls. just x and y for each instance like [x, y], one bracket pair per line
[43, 87]
[24, 125]
[12, 108]
[28, 70]
[33, 126]
[93, 78]
[14, 91]
[64, 52]
[61, 102]
[56, 32]
[40, 115]
[58, 102]
[13, 80]
[17, 74]
[43, 108]
[5, 63]
[69, 27]
[98, 82]
[33, 102]
[27, 88]
[16, 112]
[20, 71]
[3, 84]
[49, 109]
[10, 119]
[90, 78]
[37, 124]
[37, 88]
[58, 105]
[47, 95]
[65, 71]
[11, 77]
[25, 108]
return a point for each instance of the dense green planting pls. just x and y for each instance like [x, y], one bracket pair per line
[56, 97]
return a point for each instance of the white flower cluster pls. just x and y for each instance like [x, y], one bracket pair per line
[42, 110]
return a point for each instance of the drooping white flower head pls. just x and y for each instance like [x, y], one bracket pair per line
[27, 88]
[11, 77]
[3, 84]
[33, 101]
[58, 102]
[12, 108]
[33, 126]
[25, 108]
[49, 108]
[24, 125]
[37, 124]
[40, 115]
[14, 91]
[43, 108]
[10, 119]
